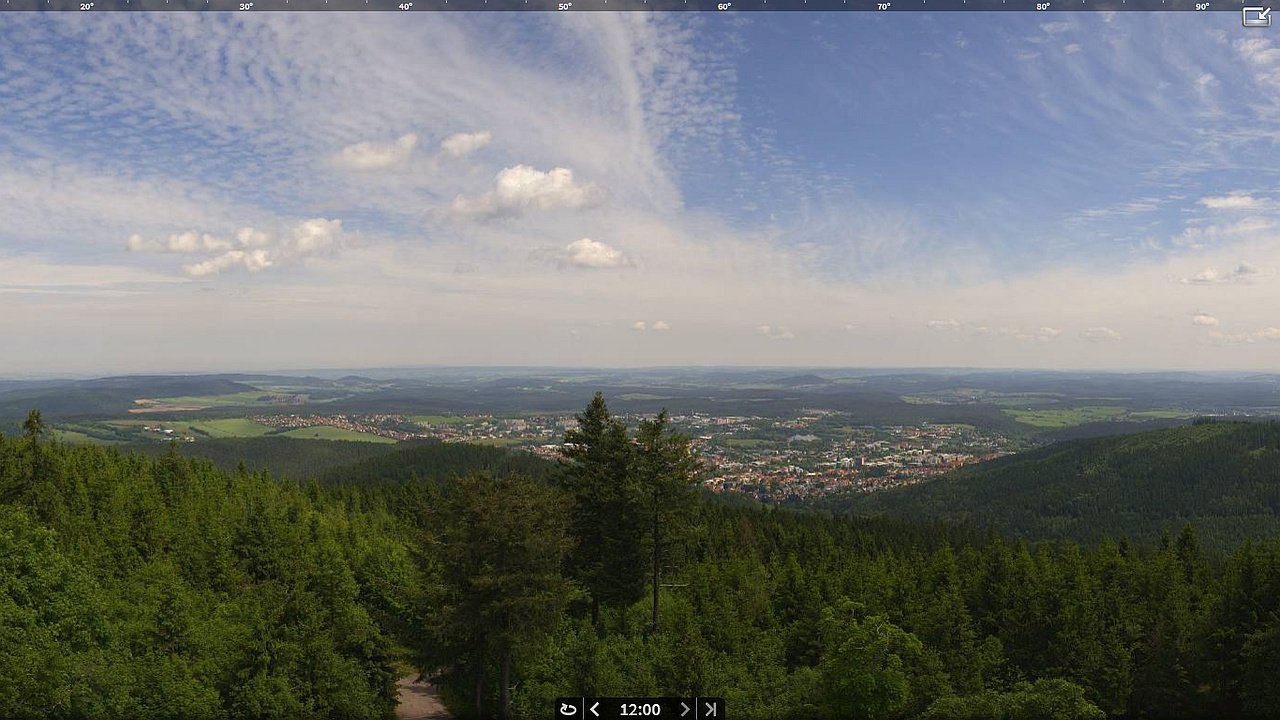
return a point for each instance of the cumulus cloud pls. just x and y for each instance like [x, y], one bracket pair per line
[1243, 273]
[585, 253]
[1099, 334]
[460, 144]
[1233, 201]
[639, 326]
[775, 332]
[660, 326]
[947, 324]
[251, 260]
[1204, 320]
[376, 156]
[253, 250]
[1053, 28]
[183, 243]
[1072, 48]
[521, 188]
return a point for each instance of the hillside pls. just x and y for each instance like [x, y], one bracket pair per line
[1222, 476]
[281, 456]
[436, 461]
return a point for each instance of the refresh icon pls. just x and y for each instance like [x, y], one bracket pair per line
[568, 710]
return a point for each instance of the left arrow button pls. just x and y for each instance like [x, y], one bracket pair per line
[593, 709]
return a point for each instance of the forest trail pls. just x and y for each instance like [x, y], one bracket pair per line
[418, 701]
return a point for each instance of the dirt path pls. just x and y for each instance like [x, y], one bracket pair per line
[418, 701]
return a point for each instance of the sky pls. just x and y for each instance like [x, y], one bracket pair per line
[191, 192]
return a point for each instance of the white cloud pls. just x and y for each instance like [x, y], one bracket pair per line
[460, 144]
[520, 188]
[377, 156]
[1099, 334]
[1267, 334]
[253, 250]
[185, 243]
[638, 326]
[1234, 201]
[775, 332]
[1243, 273]
[1260, 52]
[1072, 48]
[586, 253]
[948, 324]
[1198, 238]
[1205, 320]
[1042, 334]
[1053, 28]
[251, 260]
[660, 326]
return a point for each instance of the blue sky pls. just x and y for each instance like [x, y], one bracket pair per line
[184, 192]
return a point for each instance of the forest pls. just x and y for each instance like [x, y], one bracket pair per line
[1222, 476]
[166, 587]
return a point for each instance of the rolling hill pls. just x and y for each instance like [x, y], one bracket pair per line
[1223, 477]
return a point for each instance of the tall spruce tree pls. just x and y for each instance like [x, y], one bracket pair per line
[608, 532]
[666, 472]
[502, 543]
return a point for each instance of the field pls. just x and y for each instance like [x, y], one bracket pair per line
[248, 397]
[1066, 417]
[217, 428]
[325, 432]
[75, 438]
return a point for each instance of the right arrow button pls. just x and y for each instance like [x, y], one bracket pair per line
[684, 705]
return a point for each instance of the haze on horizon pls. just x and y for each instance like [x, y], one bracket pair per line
[219, 192]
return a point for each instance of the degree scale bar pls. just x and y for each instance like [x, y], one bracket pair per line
[725, 6]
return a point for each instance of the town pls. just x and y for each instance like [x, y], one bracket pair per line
[774, 460]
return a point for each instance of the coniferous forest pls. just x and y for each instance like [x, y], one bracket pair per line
[163, 587]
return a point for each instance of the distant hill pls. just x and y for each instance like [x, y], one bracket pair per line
[282, 456]
[434, 460]
[107, 396]
[1224, 477]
